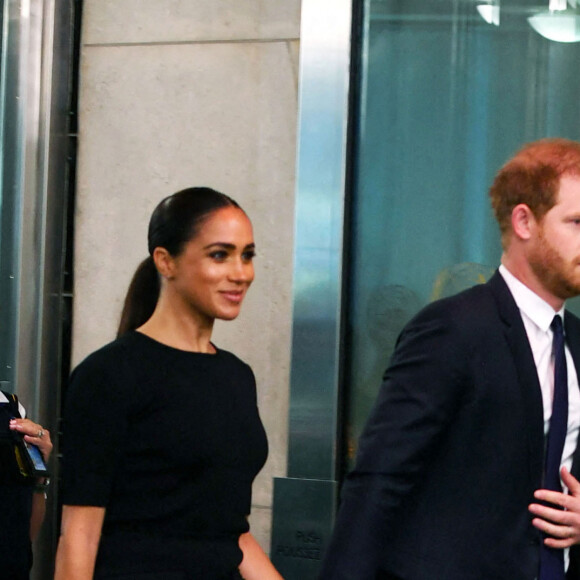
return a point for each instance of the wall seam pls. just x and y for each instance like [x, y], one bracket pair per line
[190, 42]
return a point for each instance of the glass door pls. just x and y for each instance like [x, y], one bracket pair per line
[8, 199]
[448, 90]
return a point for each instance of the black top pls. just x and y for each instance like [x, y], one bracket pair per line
[169, 441]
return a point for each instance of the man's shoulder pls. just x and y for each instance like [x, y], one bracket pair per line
[464, 318]
[572, 324]
[572, 318]
[475, 302]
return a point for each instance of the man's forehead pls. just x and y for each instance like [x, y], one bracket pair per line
[568, 191]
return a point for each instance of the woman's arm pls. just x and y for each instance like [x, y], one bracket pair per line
[255, 564]
[35, 434]
[38, 511]
[79, 540]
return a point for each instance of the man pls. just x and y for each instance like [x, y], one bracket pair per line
[470, 452]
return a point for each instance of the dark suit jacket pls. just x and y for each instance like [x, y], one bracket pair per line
[452, 452]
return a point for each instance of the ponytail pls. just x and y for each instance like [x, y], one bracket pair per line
[141, 297]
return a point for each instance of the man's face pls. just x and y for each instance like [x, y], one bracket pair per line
[555, 251]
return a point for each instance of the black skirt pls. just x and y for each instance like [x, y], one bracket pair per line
[138, 556]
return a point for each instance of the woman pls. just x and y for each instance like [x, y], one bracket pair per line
[22, 502]
[162, 437]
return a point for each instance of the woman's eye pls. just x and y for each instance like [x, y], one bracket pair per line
[248, 256]
[219, 255]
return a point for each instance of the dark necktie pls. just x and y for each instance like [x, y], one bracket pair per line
[551, 560]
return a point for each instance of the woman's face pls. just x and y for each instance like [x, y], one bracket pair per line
[215, 269]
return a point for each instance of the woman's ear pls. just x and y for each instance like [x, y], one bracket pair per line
[164, 262]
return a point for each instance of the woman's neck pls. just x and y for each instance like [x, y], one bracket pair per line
[180, 328]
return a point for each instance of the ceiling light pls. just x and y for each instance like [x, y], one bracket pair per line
[489, 12]
[560, 26]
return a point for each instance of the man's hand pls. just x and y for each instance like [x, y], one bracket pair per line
[561, 526]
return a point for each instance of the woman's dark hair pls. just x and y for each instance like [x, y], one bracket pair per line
[174, 222]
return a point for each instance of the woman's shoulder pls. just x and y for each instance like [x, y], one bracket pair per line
[107, 372]
[113, 362]
[229, 358]
[114, 351]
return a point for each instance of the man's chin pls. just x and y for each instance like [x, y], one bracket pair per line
[567, 291]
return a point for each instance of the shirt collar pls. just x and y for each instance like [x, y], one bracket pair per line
[534, 307]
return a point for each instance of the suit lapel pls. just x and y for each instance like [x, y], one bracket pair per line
[572, 328]
[529, 384]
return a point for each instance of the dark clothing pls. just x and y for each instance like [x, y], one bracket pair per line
[452, 452]
[169, 558]
[15, 507]
[15, 546]
[169, 442]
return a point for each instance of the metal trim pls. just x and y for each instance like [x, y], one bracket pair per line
[35, 92]
[320, 210]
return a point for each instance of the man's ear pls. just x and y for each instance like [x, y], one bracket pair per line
[164, 262]
[523, 221]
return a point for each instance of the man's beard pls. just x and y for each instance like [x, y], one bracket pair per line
[560, 278]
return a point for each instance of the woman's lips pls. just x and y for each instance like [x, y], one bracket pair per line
[233, 295]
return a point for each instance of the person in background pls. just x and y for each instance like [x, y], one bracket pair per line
[162, 437]
[468, 466]
[22, 503]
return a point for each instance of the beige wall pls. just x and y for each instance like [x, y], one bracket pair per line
[175, 93]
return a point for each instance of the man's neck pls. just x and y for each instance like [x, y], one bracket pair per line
[520, 269]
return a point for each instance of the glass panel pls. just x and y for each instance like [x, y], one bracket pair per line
[445, 98]
[8, 199]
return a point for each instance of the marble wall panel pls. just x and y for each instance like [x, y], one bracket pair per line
[155, 119]
[147, 21]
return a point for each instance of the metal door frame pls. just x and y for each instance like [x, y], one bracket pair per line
[305, 501]
[37, 53]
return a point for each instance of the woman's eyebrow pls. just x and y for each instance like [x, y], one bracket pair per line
[221, 245]
[229, 246]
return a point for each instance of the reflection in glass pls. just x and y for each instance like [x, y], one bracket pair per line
[444, 99]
